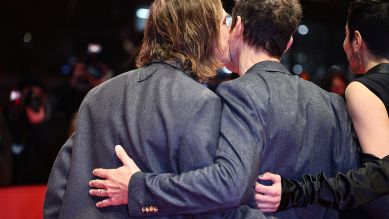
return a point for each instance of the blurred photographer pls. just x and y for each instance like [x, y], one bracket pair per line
[37, 131]
[88, 71]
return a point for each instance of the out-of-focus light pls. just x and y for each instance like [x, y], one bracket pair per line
[140, 24]
[66, 69]
[142, 13]
[94, 48]
[297, 69]
[302, 57]
[303, 29]
[226, 70]
[15, 95]
[17, 148]
[321, 71]
[27, 37]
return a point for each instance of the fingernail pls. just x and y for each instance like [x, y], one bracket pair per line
[260, 175]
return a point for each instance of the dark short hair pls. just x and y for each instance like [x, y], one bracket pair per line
[371, 19]
[268, 24]
[186, 31]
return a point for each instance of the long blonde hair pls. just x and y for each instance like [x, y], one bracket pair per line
[186, 31]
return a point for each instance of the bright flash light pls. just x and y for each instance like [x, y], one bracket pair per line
[142, 13]
[94, 48]
[15, 95]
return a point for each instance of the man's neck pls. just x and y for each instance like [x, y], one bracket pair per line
[250, 56]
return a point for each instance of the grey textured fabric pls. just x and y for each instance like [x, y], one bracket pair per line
[271, 121]
[165, 120]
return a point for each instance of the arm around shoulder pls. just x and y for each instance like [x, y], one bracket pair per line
[223, 185]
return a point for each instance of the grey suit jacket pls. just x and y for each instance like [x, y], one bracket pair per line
[165, 120]
[271, 121]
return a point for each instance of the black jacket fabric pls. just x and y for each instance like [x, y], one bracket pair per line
[343, 192]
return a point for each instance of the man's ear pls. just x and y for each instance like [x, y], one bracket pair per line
[237, 30]
[290, 42]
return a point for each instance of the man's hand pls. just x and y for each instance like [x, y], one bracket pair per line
[114, 182]
[268, 198]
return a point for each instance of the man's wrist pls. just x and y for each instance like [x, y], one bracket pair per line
[139, 196]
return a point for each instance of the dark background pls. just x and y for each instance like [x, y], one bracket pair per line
[62, 29]
[43, 39]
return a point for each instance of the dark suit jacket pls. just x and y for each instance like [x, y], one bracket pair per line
[165, 120]
[271, 121]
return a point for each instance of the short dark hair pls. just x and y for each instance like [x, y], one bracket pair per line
[371, 19]
[268, 24]
[186, 31]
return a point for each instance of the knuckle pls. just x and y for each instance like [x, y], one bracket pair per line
[274, 201]
[257, 186]
[104, 203]
[103, 185]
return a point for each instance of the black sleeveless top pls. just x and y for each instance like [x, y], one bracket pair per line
[377, 81]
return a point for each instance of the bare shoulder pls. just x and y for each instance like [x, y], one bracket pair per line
[358, 96]
[355, 88]
[370, 119]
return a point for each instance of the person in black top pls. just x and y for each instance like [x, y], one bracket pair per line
[367, 48]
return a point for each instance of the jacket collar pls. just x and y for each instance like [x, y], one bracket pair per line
[155, 64]
[269, 66]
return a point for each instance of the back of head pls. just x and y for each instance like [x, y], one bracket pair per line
[371, 19]
[268, 24]
[184, 31]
